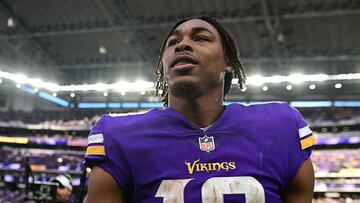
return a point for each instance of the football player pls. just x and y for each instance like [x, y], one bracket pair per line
[197, 149]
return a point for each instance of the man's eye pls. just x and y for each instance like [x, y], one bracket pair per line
[172, 42]
[200, 38]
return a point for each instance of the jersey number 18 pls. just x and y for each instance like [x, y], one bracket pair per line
[214, 189]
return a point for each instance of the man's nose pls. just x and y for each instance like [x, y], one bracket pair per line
[183, 46]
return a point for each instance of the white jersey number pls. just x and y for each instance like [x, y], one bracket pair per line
[214, 189]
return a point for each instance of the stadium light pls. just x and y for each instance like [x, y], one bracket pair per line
[59, 160]
[105, 94]
[265, 88]
[312, 86]
[102, 49]
[72, 94]
[140, 86]
[10, 22]
[296, 78]
[256, 80]
[100, 86]
[289, 87]
[338, 85]
[235, 81]
[20, 78]
[18, 85]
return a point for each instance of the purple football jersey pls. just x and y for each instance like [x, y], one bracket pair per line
[248, 155]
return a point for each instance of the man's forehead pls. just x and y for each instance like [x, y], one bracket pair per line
[195, 23]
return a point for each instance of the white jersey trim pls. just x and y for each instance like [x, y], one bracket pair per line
[127, 114]
[96, 138]
[304, 131]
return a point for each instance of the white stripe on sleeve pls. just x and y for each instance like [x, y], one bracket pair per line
[96, 138]
[304, 131]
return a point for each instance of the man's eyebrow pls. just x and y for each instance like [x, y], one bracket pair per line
[194, 30]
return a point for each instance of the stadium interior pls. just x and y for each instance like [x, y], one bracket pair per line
[65, 63]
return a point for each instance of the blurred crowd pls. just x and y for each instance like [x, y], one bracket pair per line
[41, 159]
[84, 119]
[336, 161]
[331, 116]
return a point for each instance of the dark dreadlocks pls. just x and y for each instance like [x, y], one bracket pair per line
[231, 56]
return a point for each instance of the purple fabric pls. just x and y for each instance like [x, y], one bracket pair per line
[261, 141]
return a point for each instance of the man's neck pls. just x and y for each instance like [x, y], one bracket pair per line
[201, 111]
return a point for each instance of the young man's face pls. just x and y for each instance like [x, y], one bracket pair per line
[193, 59]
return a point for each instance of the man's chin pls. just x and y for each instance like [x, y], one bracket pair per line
[184, 89]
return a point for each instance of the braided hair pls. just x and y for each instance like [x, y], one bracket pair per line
[230, 51]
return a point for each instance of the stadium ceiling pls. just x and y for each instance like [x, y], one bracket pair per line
[76, 42]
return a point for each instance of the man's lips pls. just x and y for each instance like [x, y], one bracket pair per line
[183, 66]
[182, 61]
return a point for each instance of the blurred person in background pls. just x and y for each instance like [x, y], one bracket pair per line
[64, 188]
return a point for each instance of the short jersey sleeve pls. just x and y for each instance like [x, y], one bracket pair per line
[105, 151]
[95, 150]
[304, 140]
[307, 139]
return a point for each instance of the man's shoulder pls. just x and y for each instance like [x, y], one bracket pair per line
[119, 120]
[269, 113]
[263, 108]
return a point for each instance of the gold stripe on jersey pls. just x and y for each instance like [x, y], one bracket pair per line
[307, 142]
[95, 150]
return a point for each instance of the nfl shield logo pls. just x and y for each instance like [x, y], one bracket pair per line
[206, 143]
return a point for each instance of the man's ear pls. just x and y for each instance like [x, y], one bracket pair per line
[228, 69]
[227, 61]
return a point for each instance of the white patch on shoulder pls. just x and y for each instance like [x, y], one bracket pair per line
[261, 103]
[96, 138]
[304, 131]
[127, 114]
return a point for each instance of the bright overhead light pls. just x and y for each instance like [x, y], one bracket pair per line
[296, 78]
[60, 160]
[349, 76]
[140, 86]
[312, 86]
[289, 87]
[18, 85]
[143, 93]
[235, 81]
[105, 94]
[265, 88]
[11, 22]
[102, 50]
[123, 93]
[72, 94]
[338, 85]
[275, 79]
[317, 77]
[20, 78]
[54, 94]
[256, 80]
[100, 87]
